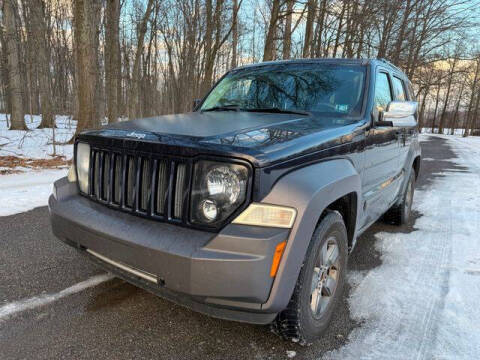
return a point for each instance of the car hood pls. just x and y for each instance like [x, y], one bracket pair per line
[262, 138]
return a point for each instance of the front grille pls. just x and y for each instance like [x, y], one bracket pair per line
[152, 187]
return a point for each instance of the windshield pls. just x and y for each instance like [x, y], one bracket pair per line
[335, 90]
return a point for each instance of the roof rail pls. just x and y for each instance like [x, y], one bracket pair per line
[390, 64]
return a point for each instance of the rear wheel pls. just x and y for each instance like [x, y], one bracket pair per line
[401, 213]
[320, 284]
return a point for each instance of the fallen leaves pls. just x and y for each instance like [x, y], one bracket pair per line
[13, 164]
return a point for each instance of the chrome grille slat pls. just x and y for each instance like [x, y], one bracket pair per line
[162, 187]
[130, 186]
[105, 175]
[96, 175]
[179, 191]
[117, 188]
[146, 185]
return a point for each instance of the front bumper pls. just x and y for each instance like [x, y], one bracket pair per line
[224, 275]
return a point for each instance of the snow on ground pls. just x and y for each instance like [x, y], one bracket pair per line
[422, 302]
[32, 187]
[37, 143]
[26, 191]
[447, 131]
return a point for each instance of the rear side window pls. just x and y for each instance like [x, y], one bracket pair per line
[383, 94]
[399, 89]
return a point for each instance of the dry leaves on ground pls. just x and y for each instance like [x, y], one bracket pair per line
[11, 164]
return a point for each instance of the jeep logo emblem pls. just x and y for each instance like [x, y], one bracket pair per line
[136, 135]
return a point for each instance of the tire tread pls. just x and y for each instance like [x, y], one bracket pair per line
[287, 324]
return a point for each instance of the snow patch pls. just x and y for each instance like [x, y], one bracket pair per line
[291, 354]
[25, 191]
[422, 302]
[37, 143]
[10, 309]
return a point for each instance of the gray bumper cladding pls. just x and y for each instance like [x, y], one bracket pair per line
[225, 274]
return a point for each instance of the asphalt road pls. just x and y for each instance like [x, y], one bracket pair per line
[115, 320]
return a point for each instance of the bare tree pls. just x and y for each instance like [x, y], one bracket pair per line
[450, 79]
[112, 58]
[85, 30]
[155, 56]
[235, 33]
[133, 109]
[269, 49]
[42, 50]
[311, 9]
[287, 32]
[14, 77]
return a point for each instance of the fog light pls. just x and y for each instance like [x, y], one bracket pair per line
[209, 210]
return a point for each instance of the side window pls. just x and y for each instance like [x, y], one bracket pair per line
[383, 94]
[399, 89]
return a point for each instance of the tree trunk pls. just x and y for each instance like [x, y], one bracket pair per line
[17, 118]
[112, 55]
[395, 58]
[269, 49]
[457, 107]
[437, 100]
[447, 96]
[85, 33]
[472, 98]
[339, 29]
[4, 76]
[214, 40]
[37, 9]
[133, 108]
[287, 33]
[421, 114]
[320, 26]
[312, 6]
[235, 34]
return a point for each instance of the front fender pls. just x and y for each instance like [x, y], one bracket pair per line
[310, 190]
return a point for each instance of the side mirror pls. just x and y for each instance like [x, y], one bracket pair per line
[400, 113]
[196, 104]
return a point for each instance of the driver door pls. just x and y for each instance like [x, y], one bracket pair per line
[381, 171]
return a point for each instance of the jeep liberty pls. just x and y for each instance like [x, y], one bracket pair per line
[247, 208]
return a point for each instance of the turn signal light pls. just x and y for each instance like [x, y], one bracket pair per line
[277, 256]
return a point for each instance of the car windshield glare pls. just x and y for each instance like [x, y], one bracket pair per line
[333, 90]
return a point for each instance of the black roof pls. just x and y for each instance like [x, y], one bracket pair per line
[324, 60]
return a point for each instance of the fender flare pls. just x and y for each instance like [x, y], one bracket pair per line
[310, 190]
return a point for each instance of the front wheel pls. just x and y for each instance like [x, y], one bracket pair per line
[320, 284]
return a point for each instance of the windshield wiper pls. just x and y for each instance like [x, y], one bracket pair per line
[223, 108]
[278, 111]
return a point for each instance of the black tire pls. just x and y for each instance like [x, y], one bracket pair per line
[400, 214]
[298, 322]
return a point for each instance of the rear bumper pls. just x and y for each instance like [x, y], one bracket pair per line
[224, 275]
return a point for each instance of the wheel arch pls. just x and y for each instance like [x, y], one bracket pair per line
[312, 190]
[416, 166]
[346, 205]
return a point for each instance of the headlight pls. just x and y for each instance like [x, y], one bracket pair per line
[83, 165]
[218, 190]
[72, 174]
